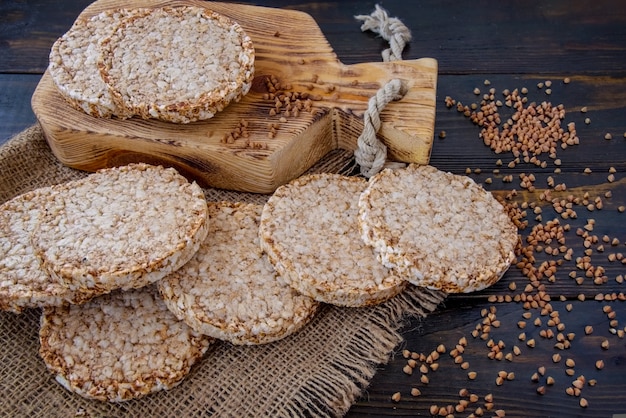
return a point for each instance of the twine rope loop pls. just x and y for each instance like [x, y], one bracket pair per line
[390, 29]
[371, 153]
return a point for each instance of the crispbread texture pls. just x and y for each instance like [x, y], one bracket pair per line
[439, 230]
[23, 282]
[73, 64]
[121, 227]
[177, 64]
[309, 229]
[119, 346]
[229, 290]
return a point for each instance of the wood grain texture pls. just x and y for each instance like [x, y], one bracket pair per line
[297, 55]
[519, 37]
[15, 112]
[517, 397]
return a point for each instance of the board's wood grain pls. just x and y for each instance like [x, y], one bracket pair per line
[297, 55]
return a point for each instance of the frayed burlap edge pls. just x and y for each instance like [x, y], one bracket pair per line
[320, 371]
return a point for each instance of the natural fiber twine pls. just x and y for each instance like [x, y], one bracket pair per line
[319, 371]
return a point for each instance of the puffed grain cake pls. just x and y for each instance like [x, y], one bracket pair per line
[23, 282]
[177, 64]
[309, 229]
[119, 346]
[73, 64]
[121, 227]
[439, 230]
[229, 289]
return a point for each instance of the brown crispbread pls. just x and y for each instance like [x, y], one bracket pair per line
[309, 229]
[119, 346]
[73, 64]
[23, 282]
[437, 229]
[177, 64]
[121, 227]
[229, 290]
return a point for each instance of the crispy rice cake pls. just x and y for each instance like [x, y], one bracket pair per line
[119, 346]
[177, 64]
[23, 282]
[73, 64]
[309, 229]
[229, 290]
[121, 227]
[439, 230]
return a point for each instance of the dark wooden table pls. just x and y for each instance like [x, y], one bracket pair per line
[569, 53]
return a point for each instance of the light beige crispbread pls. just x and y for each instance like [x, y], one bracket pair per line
[119, 346]
[23, 282]
[73, 64]
[177, 64]
[229, 290]
[120, 227]
[439, 230]
[309, 229]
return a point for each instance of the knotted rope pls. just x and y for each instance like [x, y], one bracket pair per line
[371, 153]
[391, 29]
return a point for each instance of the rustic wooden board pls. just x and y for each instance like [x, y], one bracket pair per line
[290, 47]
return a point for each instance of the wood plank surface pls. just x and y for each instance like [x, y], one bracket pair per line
[16, 113]
[513, 45]
[532, 36]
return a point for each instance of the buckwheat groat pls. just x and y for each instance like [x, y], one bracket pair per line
[177, 64]
[229, 290]
[309, 229]
[23, 282]
[119, 346]
[73, 64]
[437, 229]
[121, 228]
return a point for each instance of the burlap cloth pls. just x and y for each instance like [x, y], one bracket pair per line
[319, 371]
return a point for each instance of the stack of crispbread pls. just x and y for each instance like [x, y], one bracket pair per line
[87, 252]
[437, 229]
[95, 252]
[229, 290]
[309, 228]
[176, 64]
[119, 346]
[424, 226]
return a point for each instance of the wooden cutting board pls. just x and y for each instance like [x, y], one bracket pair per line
[290, 50]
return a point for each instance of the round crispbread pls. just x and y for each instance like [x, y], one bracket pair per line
[229, 290]
[439, 230]
[177, 64]
[73, 64]
[309, 229]
[23, 282]
[119, 346]
[120, 227]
